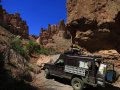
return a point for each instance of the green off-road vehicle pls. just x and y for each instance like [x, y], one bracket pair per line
[82, 70]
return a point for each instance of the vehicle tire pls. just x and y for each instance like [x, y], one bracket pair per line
[47, 73]
[115, 76]
[77, 83]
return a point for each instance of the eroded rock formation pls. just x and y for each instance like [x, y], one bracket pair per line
[13, 23]
[1, 15]
[95, 24]
[55, 37]
[46, 35]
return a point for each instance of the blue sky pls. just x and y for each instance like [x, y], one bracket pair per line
[37, 13]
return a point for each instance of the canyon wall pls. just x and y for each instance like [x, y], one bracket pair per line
[46, 35]
[55, 37]
[13, 23]
[95, 24]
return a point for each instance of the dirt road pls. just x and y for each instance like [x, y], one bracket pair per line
[61, 84]
[51, 84]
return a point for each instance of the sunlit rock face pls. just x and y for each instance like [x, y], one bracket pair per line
[13, 23]
[94, 24]
[55, 37]
[46, 35]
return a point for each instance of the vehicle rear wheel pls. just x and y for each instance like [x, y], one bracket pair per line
[77, 83]
[47, 73]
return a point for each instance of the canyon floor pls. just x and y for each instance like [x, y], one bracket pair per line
[61, 84]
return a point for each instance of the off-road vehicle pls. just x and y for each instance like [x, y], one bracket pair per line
[82, 70]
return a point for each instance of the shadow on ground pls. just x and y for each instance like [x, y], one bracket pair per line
[108, 86]
[8, 82]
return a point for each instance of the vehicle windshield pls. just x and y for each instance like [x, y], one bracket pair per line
[59, 62]
[54, 58]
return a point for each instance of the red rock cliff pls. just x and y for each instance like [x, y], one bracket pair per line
[55, 37]
[1, 15]
[46, 35]
[95, 24]
[14, 23]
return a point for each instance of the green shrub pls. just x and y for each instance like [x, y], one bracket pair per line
[44, 51]
[17, 46]
[30, 48]
[48, 51]
[33, 47]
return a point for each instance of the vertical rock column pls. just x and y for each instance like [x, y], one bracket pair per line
[1, 14]
[49, 29]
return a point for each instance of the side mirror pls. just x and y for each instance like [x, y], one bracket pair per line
[59, 63]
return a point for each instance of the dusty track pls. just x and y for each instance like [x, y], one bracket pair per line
[51, 84]
[61, 84]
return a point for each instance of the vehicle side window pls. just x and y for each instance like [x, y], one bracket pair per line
[72, 62]
[83, 64]
[60, 62]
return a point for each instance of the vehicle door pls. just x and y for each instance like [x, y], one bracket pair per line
[58, 68]
[91, 72]
[101, 74]
[110, 73]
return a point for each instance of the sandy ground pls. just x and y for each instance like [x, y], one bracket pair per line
[51, 84]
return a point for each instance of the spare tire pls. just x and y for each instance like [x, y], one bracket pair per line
[111, 76]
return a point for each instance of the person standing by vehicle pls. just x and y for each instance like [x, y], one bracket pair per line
[76, 49]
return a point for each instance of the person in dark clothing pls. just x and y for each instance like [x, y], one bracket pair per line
[76, 49]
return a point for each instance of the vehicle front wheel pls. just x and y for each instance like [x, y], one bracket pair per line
[47, 73]
[77, 83]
